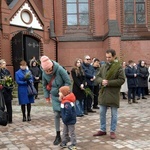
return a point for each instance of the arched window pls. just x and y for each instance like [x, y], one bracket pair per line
[77, 12]
[135, 12]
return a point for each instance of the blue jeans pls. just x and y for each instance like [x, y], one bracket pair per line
[79, 107]
[114, 114]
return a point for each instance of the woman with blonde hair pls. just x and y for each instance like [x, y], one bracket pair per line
[7, 90]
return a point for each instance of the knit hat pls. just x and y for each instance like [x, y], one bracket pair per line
[46, 63]
[65, 90]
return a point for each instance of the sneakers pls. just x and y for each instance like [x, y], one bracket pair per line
[63, 145]
[100, 133]
[72, 147]
[112, 135]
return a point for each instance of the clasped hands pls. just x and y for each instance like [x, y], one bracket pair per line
[105, 82]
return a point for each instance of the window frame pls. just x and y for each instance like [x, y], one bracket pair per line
[135, 24]
[78, 26]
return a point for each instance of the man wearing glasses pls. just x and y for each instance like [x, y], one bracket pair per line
[90, 77]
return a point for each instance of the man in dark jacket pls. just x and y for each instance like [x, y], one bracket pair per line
[131, 74]
[89, 72]
[110, 77]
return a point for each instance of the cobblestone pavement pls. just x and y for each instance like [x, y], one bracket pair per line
[133, 130]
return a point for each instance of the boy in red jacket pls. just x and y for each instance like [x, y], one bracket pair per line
[68, 114]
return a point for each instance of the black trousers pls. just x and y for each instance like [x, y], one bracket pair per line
[9, 110]
[131, 93]
[96, 93]
[36, 87]
[88, 100]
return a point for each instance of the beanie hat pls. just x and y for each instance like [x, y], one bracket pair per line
[46, 63]
[65, 90]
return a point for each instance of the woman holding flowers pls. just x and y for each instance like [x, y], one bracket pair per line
[6, 87]
[23, 78]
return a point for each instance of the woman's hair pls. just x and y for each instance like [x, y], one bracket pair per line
[2, 61]
[78, 70]
[23, 63]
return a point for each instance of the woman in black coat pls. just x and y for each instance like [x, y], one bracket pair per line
[7, 90]
[36, 72]
[78, 86]
[142, 79]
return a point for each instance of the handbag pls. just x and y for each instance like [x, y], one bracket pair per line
[49, 85]
[3, 114]
[3, 118]
[31, 90]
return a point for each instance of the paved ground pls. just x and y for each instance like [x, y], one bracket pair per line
[133, 130]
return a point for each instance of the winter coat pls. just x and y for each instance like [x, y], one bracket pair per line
[7, 91]
[97, 69]
[131, 80]
[89, 73]
[142, 76]
[68, 112]
[36, 72]
[61, 79]
[111, 93]
[22, 87]
[124, 87]
[78, 79]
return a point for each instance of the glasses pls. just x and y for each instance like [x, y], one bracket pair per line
[88, 59]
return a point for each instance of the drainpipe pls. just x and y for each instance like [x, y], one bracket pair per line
[52, 31]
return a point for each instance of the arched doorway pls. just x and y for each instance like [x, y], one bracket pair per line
[24, 47]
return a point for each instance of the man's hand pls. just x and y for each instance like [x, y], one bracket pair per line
[104, 82]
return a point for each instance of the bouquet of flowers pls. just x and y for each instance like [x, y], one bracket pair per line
[7, 81]
[27, 76]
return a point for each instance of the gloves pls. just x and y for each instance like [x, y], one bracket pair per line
[48, 100]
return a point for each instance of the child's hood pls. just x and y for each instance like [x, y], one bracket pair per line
[69, 98]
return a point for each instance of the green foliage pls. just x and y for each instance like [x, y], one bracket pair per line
[27, 75]
[113, 70]
[88, 92]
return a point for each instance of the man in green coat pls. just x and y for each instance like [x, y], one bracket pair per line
[110, 77]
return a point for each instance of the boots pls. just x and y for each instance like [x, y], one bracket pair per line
[135, 101]
[123, 94]
[57, 139]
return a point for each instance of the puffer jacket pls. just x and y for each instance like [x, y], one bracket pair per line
[68, 109]
[61, 79]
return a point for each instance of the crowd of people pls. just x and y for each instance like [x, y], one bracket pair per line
[96, 85]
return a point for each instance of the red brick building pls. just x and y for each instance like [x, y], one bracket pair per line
[69, 29]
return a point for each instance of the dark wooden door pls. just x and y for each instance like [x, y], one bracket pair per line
[31, 46]
[17, 50]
